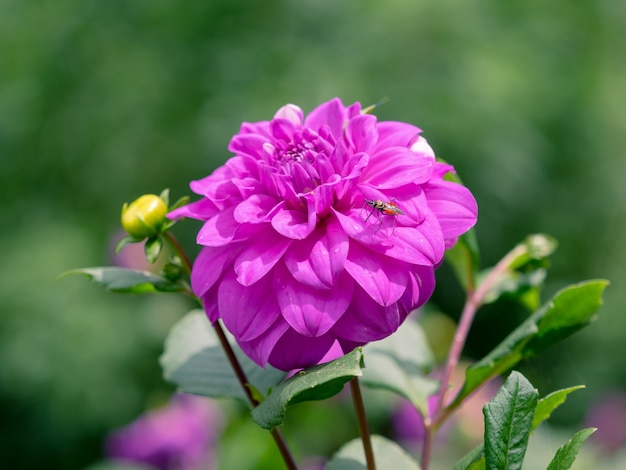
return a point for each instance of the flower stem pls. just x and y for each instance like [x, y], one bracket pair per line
[474, 300]
[277, 434]
[174, 243]
[364, 431]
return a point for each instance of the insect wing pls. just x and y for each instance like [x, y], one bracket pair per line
[391, 208]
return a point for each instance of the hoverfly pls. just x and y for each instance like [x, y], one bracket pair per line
[382, 208]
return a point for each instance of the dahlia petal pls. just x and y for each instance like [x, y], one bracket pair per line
[210, 264]
[247, 186]
[260, 257]
[247, 311]
[282, 129]
[218, 230]
[260, 127]
[255, 209]
[294, 224]
[396, 166]
[395, 134]
[203, 209]
[410, 199]
[311, 312]
[331, 113]
[318, 260]
[422, 147]
[454, 206]
[423, 244]
[260, 348]
[291, 113]
[361, 132]
[420, 287]
[379, 322]
[368, 229]
[250, 145]
[209, 302]
[294, 351]
[339, 156]
[382, 278]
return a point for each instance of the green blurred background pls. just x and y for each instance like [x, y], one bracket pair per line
[103, 101]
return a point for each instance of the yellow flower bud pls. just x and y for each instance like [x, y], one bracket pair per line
[143, 217]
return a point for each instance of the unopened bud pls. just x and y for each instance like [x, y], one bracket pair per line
[143, 217]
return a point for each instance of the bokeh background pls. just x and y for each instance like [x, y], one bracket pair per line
[101, 102]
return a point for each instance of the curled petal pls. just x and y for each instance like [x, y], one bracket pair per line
[454, 206]
[294, 351]
[395, 134]
[247, 311]
[361, 132]
[384, 279]
[250, 145]
[260, 257]
[318, 260]
[423, 244]
[420, 287]
[379, 322]
[295, 224]
[422, 147]
[309, 311]
[282, 129]
[255, 209]
[209, 302]
[203, 209]
[291, 113]
[260, 348]
[331, 114]
[397, 166]
[210, 264]
[218, 230]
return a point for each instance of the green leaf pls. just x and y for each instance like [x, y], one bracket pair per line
[464, 258]
[387, 454]
[129, 280]
[475, 459]
[565, 456]
[569, 310]
[195, 361]
[315, 383]
[551, 402]
[399, 363]
[508, 422]
[153, 249]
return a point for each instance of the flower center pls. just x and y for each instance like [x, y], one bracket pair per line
[298, 159]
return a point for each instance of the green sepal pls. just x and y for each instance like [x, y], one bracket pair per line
[153, 248]
[168, 224]
[127, 240]
[165, 196]
[314, 383]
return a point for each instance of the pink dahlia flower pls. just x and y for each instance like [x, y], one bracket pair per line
[322, 233]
